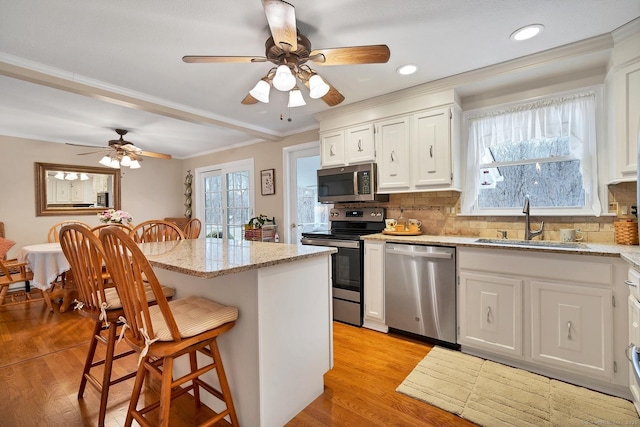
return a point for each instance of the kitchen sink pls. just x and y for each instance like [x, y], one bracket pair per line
[534, 243]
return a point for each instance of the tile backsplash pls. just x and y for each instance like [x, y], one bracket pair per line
[438, 213]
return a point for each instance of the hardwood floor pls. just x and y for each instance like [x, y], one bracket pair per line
[42, 355]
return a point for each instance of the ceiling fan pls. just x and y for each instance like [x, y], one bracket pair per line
[121, 152]
[290, 51]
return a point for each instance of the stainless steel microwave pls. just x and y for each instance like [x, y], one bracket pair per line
[357, 183]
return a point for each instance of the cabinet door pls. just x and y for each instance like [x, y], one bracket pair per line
[490, 313]
[332, 149]
[394, 166]
[359, 145]
[431, 145]
[77, 191]
[571, 328]
[374, 286]
[627, 81]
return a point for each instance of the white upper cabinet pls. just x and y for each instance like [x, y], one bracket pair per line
[623, 105]
[347, 146]
[431, 144]
[359, 144]
[332, 149]
[394, 162]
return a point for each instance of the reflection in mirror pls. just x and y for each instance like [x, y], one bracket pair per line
[75, 190]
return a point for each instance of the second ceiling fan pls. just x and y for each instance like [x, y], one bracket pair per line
[290, 51]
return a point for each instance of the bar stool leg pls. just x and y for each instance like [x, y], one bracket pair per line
[224, 384]
[108, 365]
[137, 388]
[193, 360]
[89, 361]
[165, 391]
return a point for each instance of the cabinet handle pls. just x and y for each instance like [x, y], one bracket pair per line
[331, 152]
[630, 283]
[569, 330]
[360, 145]
[431, 151]
[489, 314]
[393, 157]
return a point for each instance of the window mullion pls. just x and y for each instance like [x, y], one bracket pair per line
[528, 162]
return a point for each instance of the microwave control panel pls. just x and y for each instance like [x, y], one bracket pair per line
[364, 182]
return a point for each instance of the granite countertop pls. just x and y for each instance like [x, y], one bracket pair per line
[626, 252]
[209, 258]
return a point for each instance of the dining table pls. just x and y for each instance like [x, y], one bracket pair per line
[47, 262]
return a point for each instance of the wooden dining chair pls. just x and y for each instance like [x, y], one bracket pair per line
[54, 231]
[156, 230]
[96, 230]
[192, 229]
[13, 272]
[163, 332]
[98, 300]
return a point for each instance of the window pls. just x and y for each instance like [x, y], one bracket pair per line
[545, 150]
[225, 198]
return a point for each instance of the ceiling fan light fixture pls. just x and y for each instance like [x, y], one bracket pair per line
[84, 177]
[284, 80]
[115, 163]
[295, 98]
[261, 91]
[59, 175]
[126, 160]
[71, 176]
[105, 161]
[317, 87]
[134, 164]
[527, 32]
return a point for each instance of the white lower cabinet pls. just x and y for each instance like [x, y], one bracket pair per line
[571, 327]
[491, 312]
[374, 286]
[551, 313]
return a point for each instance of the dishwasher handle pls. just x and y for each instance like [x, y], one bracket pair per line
[438, 255]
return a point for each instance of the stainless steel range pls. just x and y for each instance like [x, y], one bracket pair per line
[347, 265]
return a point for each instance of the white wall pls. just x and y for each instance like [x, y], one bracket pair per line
[151, 192]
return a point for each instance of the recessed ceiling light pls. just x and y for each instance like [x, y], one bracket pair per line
[405, 70]
[527, 32]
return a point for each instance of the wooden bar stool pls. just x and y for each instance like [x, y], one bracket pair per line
[98, 300]
[166, 331]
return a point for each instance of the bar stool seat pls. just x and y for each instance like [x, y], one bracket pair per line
[164, 332]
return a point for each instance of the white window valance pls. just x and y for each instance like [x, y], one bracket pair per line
[570, 117]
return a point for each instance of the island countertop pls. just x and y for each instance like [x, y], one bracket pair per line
[208, 257]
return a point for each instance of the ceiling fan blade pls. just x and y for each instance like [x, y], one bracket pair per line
[248, 100]
[194, 59]
[83, 145]
[91, 152]
[374, 54]
[156, 155]
[333, 97]
[281, 17]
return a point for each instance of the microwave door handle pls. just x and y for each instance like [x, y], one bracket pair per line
[355, 184]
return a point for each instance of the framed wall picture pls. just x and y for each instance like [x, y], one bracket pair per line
[268, 181]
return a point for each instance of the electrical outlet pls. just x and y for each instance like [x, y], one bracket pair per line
[624, 210]
[613, 207]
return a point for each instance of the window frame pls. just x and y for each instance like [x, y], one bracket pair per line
[223, 169]
[593, 205]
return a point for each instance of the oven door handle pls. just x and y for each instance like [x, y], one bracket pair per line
[334, 243]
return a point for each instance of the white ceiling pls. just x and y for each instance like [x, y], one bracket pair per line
[71, 71]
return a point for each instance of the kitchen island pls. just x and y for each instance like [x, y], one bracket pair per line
[281, 346]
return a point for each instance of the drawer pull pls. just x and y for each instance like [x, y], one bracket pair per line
[489, 314]
[630, 283]
[569, 330]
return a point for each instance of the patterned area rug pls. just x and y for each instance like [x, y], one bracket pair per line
[491, 394]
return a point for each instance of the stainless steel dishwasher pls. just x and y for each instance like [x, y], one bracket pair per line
[420, 290]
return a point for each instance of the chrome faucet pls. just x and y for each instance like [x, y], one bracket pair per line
[528, 233]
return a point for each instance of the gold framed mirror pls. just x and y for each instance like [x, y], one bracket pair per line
[75, 190]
